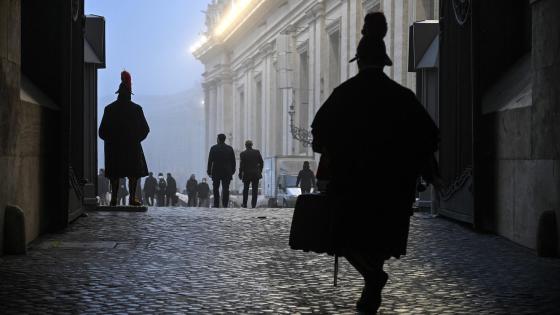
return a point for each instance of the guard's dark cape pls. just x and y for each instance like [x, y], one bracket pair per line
[124, 127]
[376, 137]
[250, 165]
[221, 162]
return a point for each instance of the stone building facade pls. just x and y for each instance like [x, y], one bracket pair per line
[46, 136]
[271, 64]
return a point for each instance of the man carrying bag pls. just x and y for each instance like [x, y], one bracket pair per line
[392, 140]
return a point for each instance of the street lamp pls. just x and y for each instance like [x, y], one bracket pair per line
[300, 134]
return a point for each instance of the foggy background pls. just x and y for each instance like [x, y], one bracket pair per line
[151, 40]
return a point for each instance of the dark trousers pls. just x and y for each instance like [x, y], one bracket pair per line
[305, 190]
[370, 266]
[169, 200]
[225, 192]
[254, 183]
[149, 199]
[192, 200]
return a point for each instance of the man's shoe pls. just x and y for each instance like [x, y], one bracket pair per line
[113, 202]
[370, 300]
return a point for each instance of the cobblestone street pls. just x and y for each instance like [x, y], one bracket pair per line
[187, 260]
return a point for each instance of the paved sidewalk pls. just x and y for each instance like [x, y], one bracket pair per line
[212, 261]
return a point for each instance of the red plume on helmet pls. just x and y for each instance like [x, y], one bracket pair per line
[126, 79]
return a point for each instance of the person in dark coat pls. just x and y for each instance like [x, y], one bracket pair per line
[305, 179]
[221, 167]
[122, 192]
[373, 133]
[150, 189]
[203, 193]
[123, 128]
[170, 191]
[102, 187]
[161, 190]
[250, 172]
[192, 185]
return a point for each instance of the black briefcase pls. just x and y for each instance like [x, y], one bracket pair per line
[312, 227]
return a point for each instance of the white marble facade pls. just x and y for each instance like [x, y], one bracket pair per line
[290, 52]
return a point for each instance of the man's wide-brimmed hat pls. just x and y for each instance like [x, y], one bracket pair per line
[371, 46]
[126, 83]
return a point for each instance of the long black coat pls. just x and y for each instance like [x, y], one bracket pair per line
[150, 186]
[171, 188]
[250, 165]
[376, 138]
[124, 127]
[221, 162]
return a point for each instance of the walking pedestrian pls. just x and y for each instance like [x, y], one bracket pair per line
[306, 179]
[170, 191]
[221, 167]
[192, 185]
[203, 193]
[122, 192]
[150, 189]
[250, 172]
[161, 190]
[102, 187]
[373, 114]
[123, 128]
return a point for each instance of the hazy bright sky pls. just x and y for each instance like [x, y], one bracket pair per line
[150, 39]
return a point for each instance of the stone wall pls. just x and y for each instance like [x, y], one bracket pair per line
[28, 132]
[527, 139]
[10, 63]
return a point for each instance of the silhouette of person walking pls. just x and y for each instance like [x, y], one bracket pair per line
[122, 193]
[192, 185]
[221, 167]
[203, 192]
[123, 128]
[170, 191]
[393, 139]
[161, 190]
[102, 187]
[150, 189]
[306, 179]
[250, 172]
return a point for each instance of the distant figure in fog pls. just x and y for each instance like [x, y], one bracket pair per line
[161, 190]
[192, 185]
[392, 141]
[122, 193]
[102, 187]
[123, 128]
[203, 193]
[306, 179]
[139, 191]
[170, 191]
[221, 167]
[250, 172]
[150, 189]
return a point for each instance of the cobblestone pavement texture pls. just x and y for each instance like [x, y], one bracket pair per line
[189, 260]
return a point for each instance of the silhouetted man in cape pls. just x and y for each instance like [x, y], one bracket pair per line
[375, 134]
[250, 172]
[221, 167]
[123, 128]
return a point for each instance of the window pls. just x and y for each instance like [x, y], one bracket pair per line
[334, 59]
[258, 119]
[303, 110]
